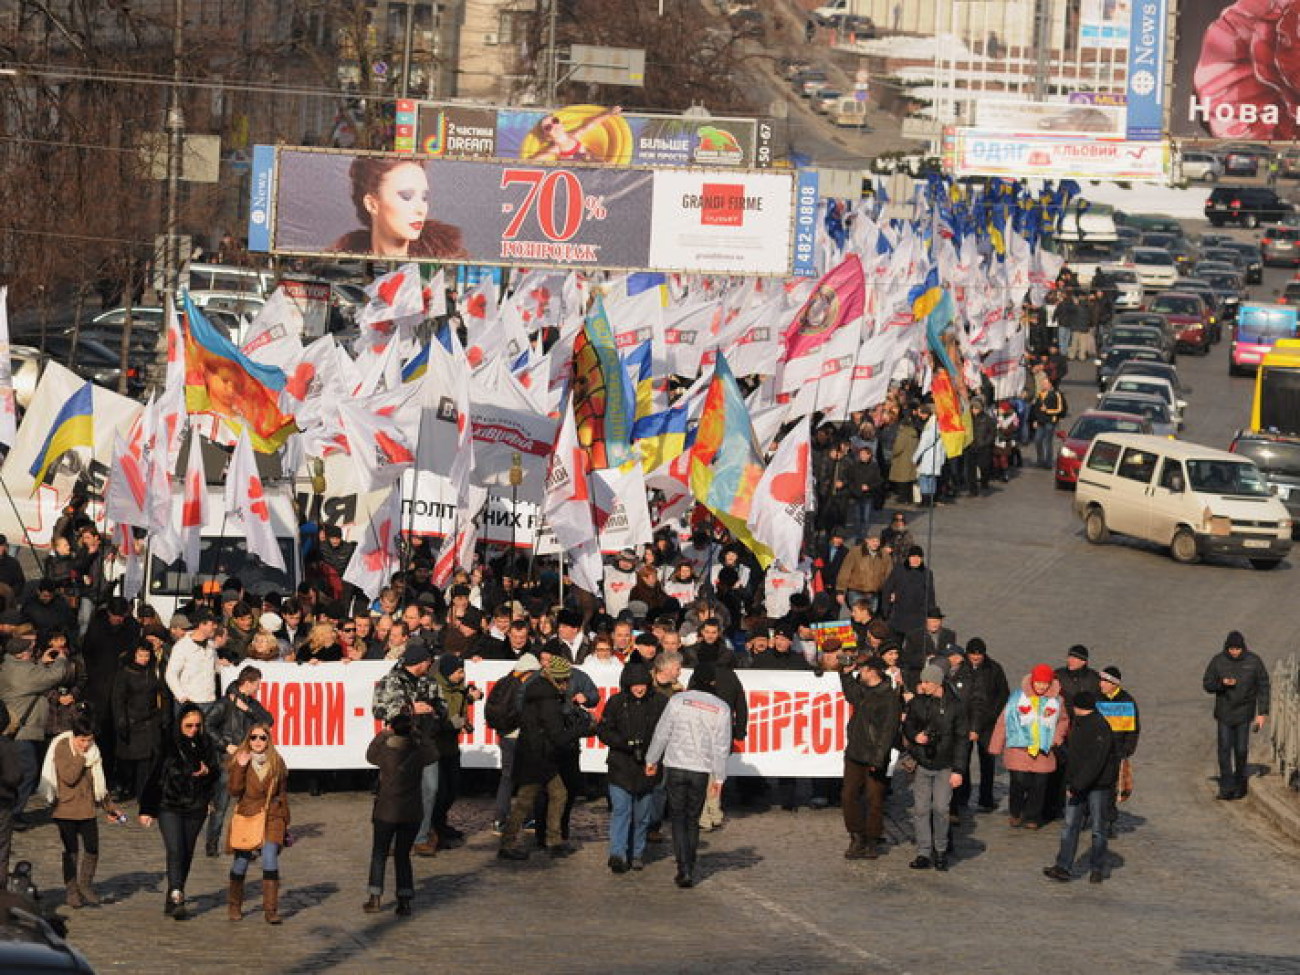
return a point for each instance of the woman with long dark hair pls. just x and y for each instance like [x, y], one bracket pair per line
[391, 198]
[177, 794]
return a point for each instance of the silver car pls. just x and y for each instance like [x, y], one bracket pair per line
[1151, 408]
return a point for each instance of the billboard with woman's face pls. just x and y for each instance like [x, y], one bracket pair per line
[403, 208]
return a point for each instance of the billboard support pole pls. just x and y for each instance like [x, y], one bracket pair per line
[552, 66]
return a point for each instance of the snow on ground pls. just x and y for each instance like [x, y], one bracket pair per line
[1182, 204]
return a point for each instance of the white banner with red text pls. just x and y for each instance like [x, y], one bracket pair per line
[323, 718]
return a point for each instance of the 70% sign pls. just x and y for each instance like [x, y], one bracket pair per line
[558, 200]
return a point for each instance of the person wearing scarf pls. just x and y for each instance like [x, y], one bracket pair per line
[258, 780]
[1031, 727]
[72, 781]
[177, 794]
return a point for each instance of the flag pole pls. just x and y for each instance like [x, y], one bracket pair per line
[43, 566]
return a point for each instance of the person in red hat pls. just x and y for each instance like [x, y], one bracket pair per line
[1031, 728]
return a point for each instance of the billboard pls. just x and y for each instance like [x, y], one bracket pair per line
[1232, 74]
[582, 133]
[976, 152]
[1055, 117]
[1145, 87]
[397, 207]
[1104, 23]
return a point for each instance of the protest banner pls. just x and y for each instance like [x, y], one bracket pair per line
[323, 718]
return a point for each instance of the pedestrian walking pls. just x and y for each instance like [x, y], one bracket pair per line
[1239, 682]
[1091, 771]
[257, 781]
[1117, 706]
[937, 736]
[408, 689]
[401, 755]
[229, 723]
[177, 795]
[989, 692]
[138, 718]
[627, 727]
[870, 736]
[693, 740]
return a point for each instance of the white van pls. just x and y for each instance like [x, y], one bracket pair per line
[222, 554]
[1197, 500]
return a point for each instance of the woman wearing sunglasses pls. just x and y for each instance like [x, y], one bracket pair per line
[177, 794]
[258, 786]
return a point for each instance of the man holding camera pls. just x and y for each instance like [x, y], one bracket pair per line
[24, 683]
[871, 732]
[938, 739]
[458, 694]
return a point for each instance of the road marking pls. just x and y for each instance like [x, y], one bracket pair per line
[813, 928]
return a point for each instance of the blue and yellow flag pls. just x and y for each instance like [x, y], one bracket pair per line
[416, 366]
[73, 426]
[659, 437]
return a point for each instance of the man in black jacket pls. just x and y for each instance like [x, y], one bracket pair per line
[938, 738]
[1091, 769]
[1117, 706]
[1076, 676]
[986, 697]
[626, 727]
[870, 735]
[979, 455]
[11, 778]
[931, 640]
[1238, 680]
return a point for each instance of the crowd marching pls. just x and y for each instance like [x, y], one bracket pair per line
[105, 703]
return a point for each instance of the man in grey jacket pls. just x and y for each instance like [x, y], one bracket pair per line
[24, 682]
[693, 739]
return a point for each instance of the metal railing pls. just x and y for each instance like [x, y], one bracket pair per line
[1285, 719]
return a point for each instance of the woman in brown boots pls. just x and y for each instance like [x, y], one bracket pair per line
[260, 820]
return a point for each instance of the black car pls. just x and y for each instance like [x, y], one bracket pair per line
[1150, 319]
[1144, 335]
[1250, 255]
[1117, 355]
[1247, 205]
[1278, 459]
[93, 360]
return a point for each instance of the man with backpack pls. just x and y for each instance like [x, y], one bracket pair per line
[503, 712]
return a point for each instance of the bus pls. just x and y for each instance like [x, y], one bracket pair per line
[1276, 408]
[1258, 328]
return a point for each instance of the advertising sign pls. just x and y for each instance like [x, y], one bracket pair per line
[259, 206]
[1146, 63]
[1104, 23]
[1232, 77]
[805, 223]
[323, 718]
[980, 153]
[584, 133]
[388, 206]
[1059, 118]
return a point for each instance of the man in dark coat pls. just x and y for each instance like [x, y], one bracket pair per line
[781, 655]
[987, 697]
[11, 571]
[549, 726]
[1239, 682]
[626, 727]
[932, 639]
[908, 593]
[979, 455]
[113, 633]
[1075, 677]
[871, 733]
[1091, 769]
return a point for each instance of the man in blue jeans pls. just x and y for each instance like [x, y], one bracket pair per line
[1091, 771]
[693, 739]
[1239, 682]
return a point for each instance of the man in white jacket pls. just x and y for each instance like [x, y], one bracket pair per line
[693, 739]
[192, 667]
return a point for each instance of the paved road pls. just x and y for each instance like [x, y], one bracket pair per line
[1196, 885]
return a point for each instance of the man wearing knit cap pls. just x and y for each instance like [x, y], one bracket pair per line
[693, 739]
[1238, 680]
[988, 696]
[1075, 676]
[938, 738]
[526, 669]
[544, 734]
[1117, 706]
[1090, 774]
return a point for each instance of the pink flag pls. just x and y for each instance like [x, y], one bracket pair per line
[837, 299]
[378, 552]
[246, 503]
[194, 507]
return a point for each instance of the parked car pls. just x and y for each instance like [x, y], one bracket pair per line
[1278, 459]
[1074, 443]
[1243, 162]
[1150, 408]
[140, 315]
[92, 360]
[1116, 356]
[1155, 268]
[1203, 167]
[1148, 222]
[1247, 205]
[1289, 164]
[825, 100]
[1189, 316]
[1280, 246]
[808, 83]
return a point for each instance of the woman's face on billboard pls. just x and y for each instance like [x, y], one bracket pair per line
[398, 208]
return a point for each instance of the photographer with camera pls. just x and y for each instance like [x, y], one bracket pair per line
[870, 736]
[937, 734]
[626, 728]
[408, 689]
[457, 695]
[25, 680]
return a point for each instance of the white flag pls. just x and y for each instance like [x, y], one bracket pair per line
[194, 507]
[8, 405]
[246, 504]
[380, 431]
[378, 552]
[622, 517]
[568, 505]
[784, 495]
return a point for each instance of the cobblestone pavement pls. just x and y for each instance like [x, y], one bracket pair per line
[1195, 885]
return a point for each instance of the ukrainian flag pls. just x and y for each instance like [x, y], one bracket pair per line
[73, 427]
[416, 366]
[659, 437]
[640, 369]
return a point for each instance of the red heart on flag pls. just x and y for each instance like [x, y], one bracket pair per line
[389, 287]
[476, 307]
[300, 381]
[258, 506]
[789, 487]
[474, 356]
